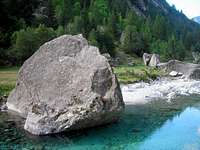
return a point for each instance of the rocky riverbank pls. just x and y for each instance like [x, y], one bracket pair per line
[164, 89]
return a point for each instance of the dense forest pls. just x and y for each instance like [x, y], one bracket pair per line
[116, 26]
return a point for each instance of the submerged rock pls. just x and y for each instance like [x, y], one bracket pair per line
[189, 70]
[66, 85]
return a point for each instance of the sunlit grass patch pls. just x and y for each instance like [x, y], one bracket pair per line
[136, 73]
[8, 77]
[125, 74]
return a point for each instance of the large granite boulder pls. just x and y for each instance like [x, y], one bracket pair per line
[66, 85]
[189, 70]
[155, 60]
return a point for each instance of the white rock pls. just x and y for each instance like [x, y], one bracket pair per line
[180, 74]
[173, 74]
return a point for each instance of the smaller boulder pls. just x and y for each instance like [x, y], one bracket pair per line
[147, 58]
[155, 60]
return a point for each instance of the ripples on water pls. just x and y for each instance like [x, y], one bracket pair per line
[153, 125]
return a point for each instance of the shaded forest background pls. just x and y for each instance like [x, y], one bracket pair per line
[117, 27]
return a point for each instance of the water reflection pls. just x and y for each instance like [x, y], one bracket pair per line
[157, 125]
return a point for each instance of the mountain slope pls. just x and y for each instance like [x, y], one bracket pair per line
[106, 23]
[155, 7]
[196, 19]
[115, 26]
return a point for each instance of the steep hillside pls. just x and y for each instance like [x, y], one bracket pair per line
[115, 26]
[155, 7]
[196, 19]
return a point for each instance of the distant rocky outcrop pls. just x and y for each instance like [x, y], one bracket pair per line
[66, 85]
[141, 7]
[189, 70]
[151, 60]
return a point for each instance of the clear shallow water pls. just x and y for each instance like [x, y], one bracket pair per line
[157, 125]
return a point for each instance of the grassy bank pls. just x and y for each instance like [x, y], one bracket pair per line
[136, 73]
[125, 74]
[8, 77]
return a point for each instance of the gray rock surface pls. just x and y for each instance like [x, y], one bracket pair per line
[151, 60]
[189, 70]
[147, 58]
[155, 60]
[66, 85]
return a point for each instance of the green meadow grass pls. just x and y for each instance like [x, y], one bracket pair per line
[136, 73]
[125, 75]
[8, 77]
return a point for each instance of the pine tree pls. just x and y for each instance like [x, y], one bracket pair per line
[159, 28]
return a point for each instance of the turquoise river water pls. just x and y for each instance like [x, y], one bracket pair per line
[157, 125]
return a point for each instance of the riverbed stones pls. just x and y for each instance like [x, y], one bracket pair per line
[66, 85]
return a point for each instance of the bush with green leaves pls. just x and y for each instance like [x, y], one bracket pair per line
[27, 41]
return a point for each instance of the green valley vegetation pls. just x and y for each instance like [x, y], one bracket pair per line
[128, 75]
[116, 26]
[125, 75]
[8, 77]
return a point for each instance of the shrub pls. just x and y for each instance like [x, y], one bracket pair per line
[27, 41]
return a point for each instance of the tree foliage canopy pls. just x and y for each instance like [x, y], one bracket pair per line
[111, 25]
